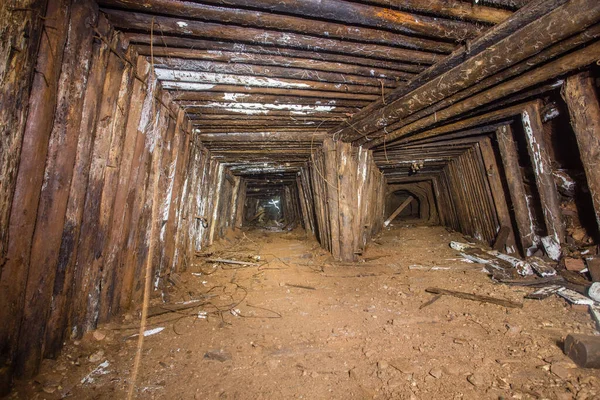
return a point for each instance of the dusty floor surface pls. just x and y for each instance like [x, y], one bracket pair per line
[353, 331]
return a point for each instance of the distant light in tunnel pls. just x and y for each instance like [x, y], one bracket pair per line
[274, 203]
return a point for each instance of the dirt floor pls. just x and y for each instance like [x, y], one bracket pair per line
[303, 326]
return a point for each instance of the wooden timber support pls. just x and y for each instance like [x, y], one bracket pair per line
[492, 171]
[584, 109]
[542, 168]
[527, 235]
[346, 221]
[398, 210]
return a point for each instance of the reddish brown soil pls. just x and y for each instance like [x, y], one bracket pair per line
[358, 334]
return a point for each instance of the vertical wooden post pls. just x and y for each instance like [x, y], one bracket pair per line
[580, 95]
[32, 162]
[542, 168]
[21, 28]
[510, 161]
[495, 182]
[347, 201]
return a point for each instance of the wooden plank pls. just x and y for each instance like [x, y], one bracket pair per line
[267, 55]
[470, 12]
[475, 297]
[348, 205]
[364, 15]
[581, 97]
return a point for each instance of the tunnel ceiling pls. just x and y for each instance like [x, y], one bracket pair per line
[263, 82]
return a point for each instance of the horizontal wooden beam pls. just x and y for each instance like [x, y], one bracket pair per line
[204, 98]
[456, 9]
[360, 14]
[268, 20]
[279, 72]
[257, 54]
[174, 26]
[199, 91]
[232, 62]
[262, 136]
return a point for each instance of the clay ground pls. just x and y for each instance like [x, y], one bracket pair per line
[359, 334]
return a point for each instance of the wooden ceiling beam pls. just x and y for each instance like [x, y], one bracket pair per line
[249, 137]
[219, 59]
[279, 72]
[450, 9]
[124, 20]
[267, 20]
[255, 54]
[202, 99]
[191, 95]
[187, 80]
[360, 14]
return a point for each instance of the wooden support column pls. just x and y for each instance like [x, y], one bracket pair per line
[580, 95]
[348, 207]
[514, 178]
[29, 180]
[542, 168]
[21, 31]
[495, 182]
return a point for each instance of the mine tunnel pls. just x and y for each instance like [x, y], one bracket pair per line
[327, 199]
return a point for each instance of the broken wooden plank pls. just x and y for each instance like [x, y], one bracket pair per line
[544, 292]
[235, 262]
[430, 302]
[575, 298]
[475, 297]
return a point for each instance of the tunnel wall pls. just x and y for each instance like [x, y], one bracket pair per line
[348, 196]
[99, 180]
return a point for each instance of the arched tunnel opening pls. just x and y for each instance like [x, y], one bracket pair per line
[326, 199]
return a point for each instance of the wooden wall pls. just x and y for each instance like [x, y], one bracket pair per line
[100, 176]
[347, 192]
